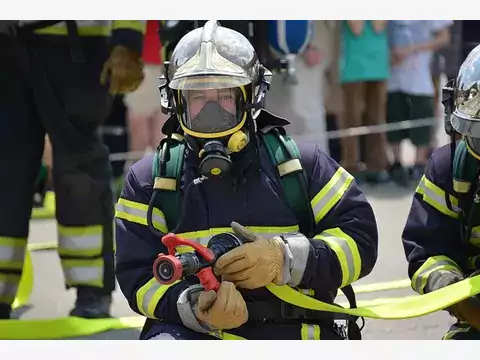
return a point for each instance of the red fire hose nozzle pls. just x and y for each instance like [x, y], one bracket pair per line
[172, 267]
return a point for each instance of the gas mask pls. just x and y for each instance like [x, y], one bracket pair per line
[213, 121]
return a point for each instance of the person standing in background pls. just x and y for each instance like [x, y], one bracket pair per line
[411, 90]
[333, 102]
[144, 115]
[301, 103]
[364, 70]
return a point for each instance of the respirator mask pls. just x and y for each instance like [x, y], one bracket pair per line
[214, 121]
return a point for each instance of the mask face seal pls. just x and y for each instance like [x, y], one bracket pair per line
[215, 118]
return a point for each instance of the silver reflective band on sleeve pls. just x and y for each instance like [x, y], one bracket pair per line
[346, 250]
[186, 312]
[8, 287]
[80, 241]
[310, 332]
[12, 253]
[299, 247]
[331, 193]
[83, 272]
[137, 212]
[433, 264]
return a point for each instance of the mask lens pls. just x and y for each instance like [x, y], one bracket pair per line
[212, 111]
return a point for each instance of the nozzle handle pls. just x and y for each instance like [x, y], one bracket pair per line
[171, 241]
[207, 279]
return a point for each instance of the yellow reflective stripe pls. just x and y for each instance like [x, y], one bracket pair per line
[149, 295]
[137, 213]
[310, 332]
[475, 236]
[12, 252]
[465, 327]
[331, 193]
[137, 25]
[83, 272]
[80, 240]
[435, 197]
[8, 287]
[203, 236]
[347, 253]
[434, 263]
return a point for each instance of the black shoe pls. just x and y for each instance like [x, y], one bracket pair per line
[399, 175]
[92, 304]
[5, 311]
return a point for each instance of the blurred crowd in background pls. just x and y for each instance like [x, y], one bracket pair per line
[347, 74]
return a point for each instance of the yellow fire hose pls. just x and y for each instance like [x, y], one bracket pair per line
[403, 308]
[394, 309]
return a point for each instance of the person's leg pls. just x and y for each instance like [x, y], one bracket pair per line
[152, 95]
[353, 95]
[78, 105]
[397, 110]
[21, 147]
[115, 136]
[376, 145]
[334, 145]
[140, 105]
[421, 108]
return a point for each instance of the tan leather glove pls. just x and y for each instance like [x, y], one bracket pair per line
[224, 309]
[254, 264]
[123, 70]
[466, 311]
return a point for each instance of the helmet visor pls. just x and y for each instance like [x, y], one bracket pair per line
[213, 111]
[465, 125]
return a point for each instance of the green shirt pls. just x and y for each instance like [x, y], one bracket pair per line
[364, 57]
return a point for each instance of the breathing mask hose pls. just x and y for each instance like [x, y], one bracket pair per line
[151, 205]
[152, 228]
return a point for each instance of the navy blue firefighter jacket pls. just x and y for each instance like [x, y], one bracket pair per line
[343, 250]
[431, 238]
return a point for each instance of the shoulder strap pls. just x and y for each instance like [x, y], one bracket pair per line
[285, 156]
[167, 169]
[464, 169]
[465, 184]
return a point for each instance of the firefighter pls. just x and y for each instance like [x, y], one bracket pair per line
[228, 183]
[58, 78]
[441, 234]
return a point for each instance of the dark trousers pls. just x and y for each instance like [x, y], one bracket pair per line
[44, 91]
[117, 141]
